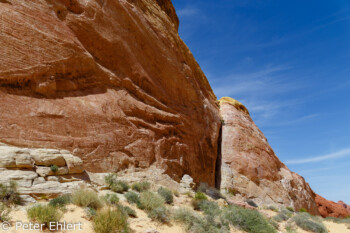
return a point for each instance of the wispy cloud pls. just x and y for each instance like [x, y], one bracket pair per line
[187, 11]
[335, 155]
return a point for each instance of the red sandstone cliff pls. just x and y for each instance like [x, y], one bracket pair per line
[250, 166]
[331, 209]
[111, 81]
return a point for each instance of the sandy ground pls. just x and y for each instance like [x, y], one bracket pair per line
[140, 224]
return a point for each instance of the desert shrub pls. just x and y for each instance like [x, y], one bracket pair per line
[160, 214]
[338, 220]
[273, 208]
[283, 215]
[209, 207]
[111, 199]
[166, 194]
[200, 196]
[61, 201]
[86, 198]
[214, 193]
[116, 185]
[176, 193]
[150, 201]
[291, 209]
[189, 194]
[196, 223]
[132, 198]
[290, 228]
[54, 168]
[9, 194]
[141, 186]
[90, 213]
[128, 211]
[119, 187]
[248, 220]
[4, 213]
[195, 204]
[44, 214]
[302, 210]
[251, 203]
[307, 223]
[274, 223]
[111, 221]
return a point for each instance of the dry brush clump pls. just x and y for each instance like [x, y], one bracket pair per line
[116, 185]
[141, 186]
[111, 220]
[309, 223]
[86, 198]
[44, 214]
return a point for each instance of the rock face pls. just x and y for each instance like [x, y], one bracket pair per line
[250, 167]
[332, 209]
[110, 81]
[30, 169]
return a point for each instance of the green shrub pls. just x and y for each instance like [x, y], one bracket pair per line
[308, 223]
[61, 201]
[291, 209]
[248, 220]
[150, 201]
[209, 207]
[54, 168]
[283, 215]
[44, 214]
[200, 196]
[90, 213]
[176, 193]
[302, 210]
[273, 208]
[196, 223]
[116, 185]
[111, 221]
[86, 198]
[141, 186]
[111, 199]
[251, 203]
[195, 204]
[290, 228]
[132, 198]
[128, 211]
[166, 194]
[160, 214]
[9, 194]
[4, 213]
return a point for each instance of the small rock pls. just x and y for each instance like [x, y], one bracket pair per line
[46, 171]
[53, 178]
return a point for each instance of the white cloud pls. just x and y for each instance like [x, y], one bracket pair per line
[335, 155]
[187, 11]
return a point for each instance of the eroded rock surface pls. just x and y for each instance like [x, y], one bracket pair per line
[36, 180]
[250, 167]
[110, 81]
[332, 209]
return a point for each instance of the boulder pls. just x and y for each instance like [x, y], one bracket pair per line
[24, 161]
[74, 164]
[111, 81]
[47, 157]
[250, 167]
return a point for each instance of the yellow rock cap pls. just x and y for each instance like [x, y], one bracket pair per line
[238, 105]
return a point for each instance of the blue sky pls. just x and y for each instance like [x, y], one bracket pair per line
[289, 63]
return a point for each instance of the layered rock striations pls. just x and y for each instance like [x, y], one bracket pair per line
[332, 209]
[250, 167]
[110, 81]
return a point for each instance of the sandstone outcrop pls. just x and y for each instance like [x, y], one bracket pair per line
[250, 167]
[110, 81]
[332, 209]
[36, 180]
